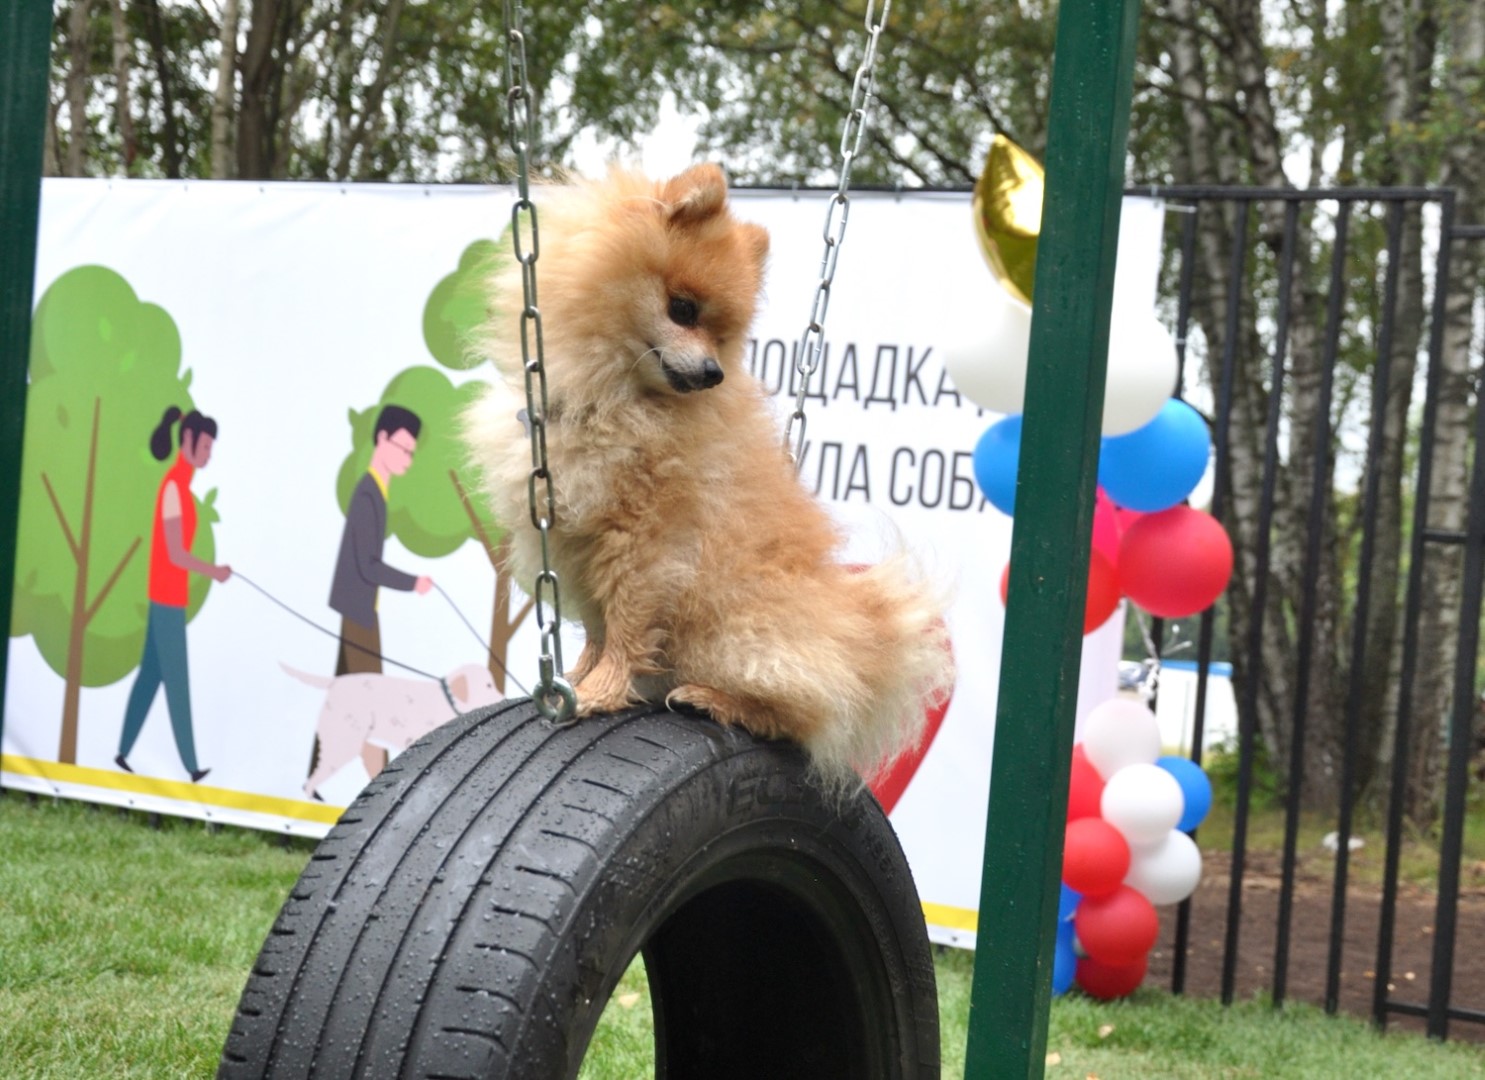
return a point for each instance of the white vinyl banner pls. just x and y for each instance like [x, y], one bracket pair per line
[290, 315]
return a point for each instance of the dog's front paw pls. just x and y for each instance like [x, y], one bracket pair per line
[721, 707]
[592, 704]
[607, 688]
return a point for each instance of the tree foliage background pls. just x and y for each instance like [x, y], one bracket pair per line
[1305, 93]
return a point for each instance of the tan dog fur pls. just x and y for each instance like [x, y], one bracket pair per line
[702, 570]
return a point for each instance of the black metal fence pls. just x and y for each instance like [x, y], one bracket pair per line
[1292, 309]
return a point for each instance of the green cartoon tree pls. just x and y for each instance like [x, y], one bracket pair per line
[104, 367]
[457, 305]
[435, 508]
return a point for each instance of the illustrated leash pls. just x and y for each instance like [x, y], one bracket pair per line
[372, 652]
[554, 697]
[483, 644]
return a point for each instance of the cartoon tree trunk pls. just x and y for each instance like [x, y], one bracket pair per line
[80, 543]
[502, 623]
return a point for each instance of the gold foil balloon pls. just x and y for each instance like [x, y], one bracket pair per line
[1008, 214]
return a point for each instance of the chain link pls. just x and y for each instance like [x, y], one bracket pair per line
[863, 93]
[554, 697]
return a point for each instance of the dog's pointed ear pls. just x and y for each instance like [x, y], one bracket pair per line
[697, 194]
[459, 687]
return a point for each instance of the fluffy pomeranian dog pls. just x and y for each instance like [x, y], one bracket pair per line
[703, 571]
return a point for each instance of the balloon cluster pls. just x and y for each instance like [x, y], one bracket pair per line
[1126, 850]
[1129, 809]
[1170, 559]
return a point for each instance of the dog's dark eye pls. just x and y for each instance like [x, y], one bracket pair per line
[683, 311]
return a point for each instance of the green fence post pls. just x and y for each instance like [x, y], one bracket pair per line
[1089, 124]
[25, 38]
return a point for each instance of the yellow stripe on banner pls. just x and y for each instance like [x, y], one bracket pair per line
[952, 918]
[178, 790]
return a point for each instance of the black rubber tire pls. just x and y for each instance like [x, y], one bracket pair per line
[474, 908]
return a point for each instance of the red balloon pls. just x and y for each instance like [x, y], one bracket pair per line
[1118, 928]
[1109, 981]
[1085, 788]
[1126, 517]
[1175, 563]
[1095, 858]
[1106, 527]
[1103, 591]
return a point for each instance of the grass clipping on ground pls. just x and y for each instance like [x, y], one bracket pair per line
[123, 950]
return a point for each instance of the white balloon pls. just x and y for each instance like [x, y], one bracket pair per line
[1144, 802]
[1167, 872]
[989, 368]
[1142, 372]
[1120, 732]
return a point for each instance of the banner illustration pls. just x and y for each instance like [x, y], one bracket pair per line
[330, 334]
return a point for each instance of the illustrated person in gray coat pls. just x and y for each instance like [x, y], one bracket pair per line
[360, 571]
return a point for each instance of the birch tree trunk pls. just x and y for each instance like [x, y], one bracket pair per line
[1207, 159]
[79, 74]
[1464, 170]
[121, 73]
[51, 162]
[1232, 136]
[1279, 689]
[224, 97]
[1407, 58]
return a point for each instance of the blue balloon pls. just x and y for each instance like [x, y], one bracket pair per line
[1194, 786]
[997, 457]
[1067, 903]
[1064, 966]
[1157, 466]
[1065, 931]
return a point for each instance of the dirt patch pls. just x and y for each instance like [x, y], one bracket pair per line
[1309, 943]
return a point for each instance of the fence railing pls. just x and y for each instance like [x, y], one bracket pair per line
[1293, 308]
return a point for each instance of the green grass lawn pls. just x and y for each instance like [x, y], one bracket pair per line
[123, 950]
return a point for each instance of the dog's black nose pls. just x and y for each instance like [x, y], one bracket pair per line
[711, 374]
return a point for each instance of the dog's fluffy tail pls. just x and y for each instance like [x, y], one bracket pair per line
[321, 681]
[883, 697]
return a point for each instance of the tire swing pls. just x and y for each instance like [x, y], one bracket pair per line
[476, 905]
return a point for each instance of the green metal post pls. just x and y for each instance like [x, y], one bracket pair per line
[25, 37]
[1088, 127]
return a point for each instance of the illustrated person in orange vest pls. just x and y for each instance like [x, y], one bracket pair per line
[359, 570]
[171, 564]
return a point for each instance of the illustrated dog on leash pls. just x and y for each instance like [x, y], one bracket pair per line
[386, 711]
[703, 571]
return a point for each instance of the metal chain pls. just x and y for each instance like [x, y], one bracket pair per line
[554, 697]
[863, 93]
